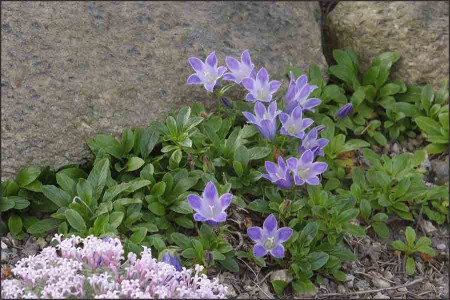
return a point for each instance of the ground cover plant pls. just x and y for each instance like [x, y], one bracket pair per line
[276, 178]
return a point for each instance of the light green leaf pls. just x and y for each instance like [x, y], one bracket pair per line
[75, 220]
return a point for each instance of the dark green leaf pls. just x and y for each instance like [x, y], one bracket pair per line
[27, 176]
[75, 220]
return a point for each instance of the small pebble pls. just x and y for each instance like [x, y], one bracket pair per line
[441, 247]
[380, 283]
[349, 280]
[244, 296]
[381, 296]
[281, 275]
[388, 275]
[231, 293]
[402, 289]
[5, 256]
[362, 285]
[341, 289]
[4, 246]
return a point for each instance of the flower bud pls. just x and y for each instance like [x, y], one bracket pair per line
[344, 111]
[171, 259]
[226, 102]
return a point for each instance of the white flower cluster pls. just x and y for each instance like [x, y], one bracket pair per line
[91, 268]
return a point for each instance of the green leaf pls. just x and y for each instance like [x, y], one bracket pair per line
[428, 125]
[158, 189]
[303, 286]
[242, 155]
[15, 224]
[175, 159]
[157, 208]
[419, 157]
[134, 163]
[27, 176]
[339, 275]
[75, 220]
[410, 235]
[84, 191]
[237, 166]
[317, 260]
[381, 229]
[56, 195]
[256, 153]
[66, 183]
[399, 245]
[19, 202]
[107, 144]
[181, 240]
[182, 207]
[389, 89]
[259, 205]
[347, 215]
[380, 138]
[308, 234]
[6, 204]
[365, 208]
[138, 236]
[127, 140]
[230, 263]
[358, 97]
[279, 286]
[43, 226]
[426, 98]
[387, 57]
[98, 176]
[100, 224]
[217, 255]
[410, 266]
[188, 253]
[184, 185]
[185, 222]
[115, 219]
[146, 140]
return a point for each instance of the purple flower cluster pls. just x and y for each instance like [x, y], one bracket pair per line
[76, 274]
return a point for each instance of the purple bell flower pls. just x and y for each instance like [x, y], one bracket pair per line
[265, 120]
[298, 93]
[305, 170]
[278, 174]
[311, 142]
[240, 70]
[344, 111]
[269, 238]
[210, 208]
[294, 125]
[260, 89]
[206, 73]
[171, 259]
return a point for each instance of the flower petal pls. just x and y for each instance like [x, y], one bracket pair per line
[307, 157]
[195, 202]
[250, 117]
[225, 200]
[274, 86]
[283, 234]
[285, 183]
[220, 71]
[210, 194]
[283, 118]
[232, 64]
[245, 58]
[229, 76]
[273, 108]
[255, 233]
[199, 217]
[249, 84]
[319, 167]
[281, 163]
[222, 217]
[210, 86]
[250, 97]
[278, 251]
[196, 64]
[194, 79]
[292, 163]
[306, 123]
[271, 167]
[260, 110]
[259, 251]
[270, 223]
[310, 103]
[298, 180]
[212, 59]
[262, 75]
[269, 128]
[312, 180]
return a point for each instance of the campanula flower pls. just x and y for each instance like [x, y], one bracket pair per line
[265, 120]
[305, 170]
[226, 102]
[206, 73]
[298, 93]
[344, 111]
[260, 88]
[240, 70]
[171, 259]
[294, 125]
[269, 238]
[210, 208]
[311, 142]
[278, 174]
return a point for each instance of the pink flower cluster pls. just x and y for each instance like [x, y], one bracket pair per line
[91, 268]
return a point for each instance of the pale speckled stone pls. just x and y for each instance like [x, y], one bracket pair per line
[71, 70]
[417, 29]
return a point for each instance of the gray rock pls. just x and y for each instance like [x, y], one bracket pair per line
[349, 280]
[243, 296]
[5, 255]
[395, 148]
[388, 275]
[440, 170]
[441, 247]
[380, 283]
[362, 285]
[428, 226]
[71, 70]
[341, 289]
[281, 275]
[379, 295]
[417, 29]
[231, 292]
[30, 247]
[264, 292]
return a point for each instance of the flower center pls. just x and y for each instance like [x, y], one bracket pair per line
[292, 129]
[261, 95]
[210, 77]
[269, 243]
[211, 210]
[303, 172]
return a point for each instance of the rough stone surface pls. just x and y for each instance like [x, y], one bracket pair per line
[71, 70]
[440, 170]
[417, 29]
